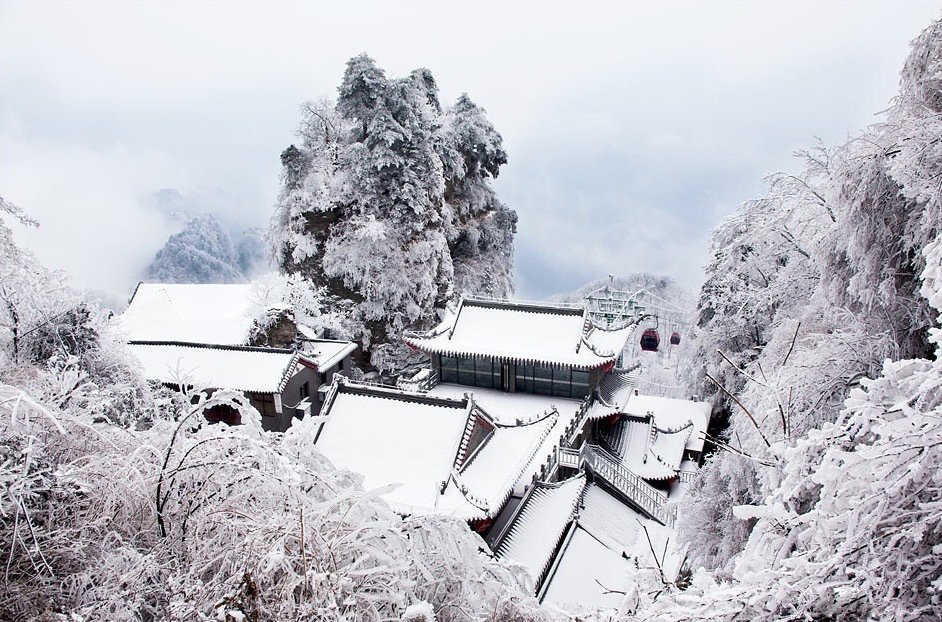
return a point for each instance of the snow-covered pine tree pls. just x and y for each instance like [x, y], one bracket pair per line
[386, 205]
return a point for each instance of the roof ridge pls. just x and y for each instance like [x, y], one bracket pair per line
[212, 346]
[531, 306]
[394, 393]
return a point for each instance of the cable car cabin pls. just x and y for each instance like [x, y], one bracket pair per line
[650, 340]
[675, 338]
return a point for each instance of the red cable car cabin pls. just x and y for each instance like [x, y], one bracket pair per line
[675, 338]
[650, 340]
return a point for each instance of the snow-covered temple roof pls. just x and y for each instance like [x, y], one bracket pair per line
[673, 414]
[590, 571]
[392, 438]
[509, 408]
[587, 574]
[416, 443]
[325, 353]
[646, 450]
[258, 370]
[523, 332]
[489, 474]
[534, 534]
[613, 393]
[221, 314]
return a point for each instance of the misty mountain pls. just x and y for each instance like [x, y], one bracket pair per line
[204, 252]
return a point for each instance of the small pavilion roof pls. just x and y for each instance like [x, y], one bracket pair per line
[648, 451]
[325, 353]
[509, 408]
[534, 333]
[258, 370]
[488, 476]
[673, 414]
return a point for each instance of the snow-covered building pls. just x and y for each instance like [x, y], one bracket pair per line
[538, 348]
[525, 426]
[231, 336]
[437, 454]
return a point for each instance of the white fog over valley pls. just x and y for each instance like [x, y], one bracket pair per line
[470, 311]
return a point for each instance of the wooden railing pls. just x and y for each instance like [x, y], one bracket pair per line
[577, 424]
[647, 498]
[570, 458]
[423, 381]
[687, 477]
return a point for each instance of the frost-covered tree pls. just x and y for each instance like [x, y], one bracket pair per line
[387, 208]
[814, 289]
[120, 504]
[202, 253]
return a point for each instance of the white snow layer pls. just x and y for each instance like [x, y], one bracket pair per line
[673, 414]
[551, 336]
[221, 314]
[508, 408]
[395, 441]
[491, 472]
[588, 575]
[246, 369]
[532, 539]
[610, 539]
[325, 353]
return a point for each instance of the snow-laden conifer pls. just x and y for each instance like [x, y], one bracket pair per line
[386, 205]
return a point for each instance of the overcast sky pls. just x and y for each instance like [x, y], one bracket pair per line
[632, 128]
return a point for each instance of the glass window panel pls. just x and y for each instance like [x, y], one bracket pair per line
[449, 374]
[482, 373]
[520, 382]
[542, 380]
[562, 388]
[466, 371]
[541, 372]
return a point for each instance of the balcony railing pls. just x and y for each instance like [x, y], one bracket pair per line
[424, 380]
[687, 477]
[647, 498]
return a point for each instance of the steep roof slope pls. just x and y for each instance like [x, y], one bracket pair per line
[537, 528]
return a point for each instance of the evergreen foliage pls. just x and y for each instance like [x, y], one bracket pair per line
[386, 205]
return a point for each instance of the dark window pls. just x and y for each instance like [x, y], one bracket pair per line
[466, 371]
[580, 383]
[449, 369]
[562, 384]
[305, 390]
[483, 369]
[264, 403]
[524, 378]
[542, 380]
